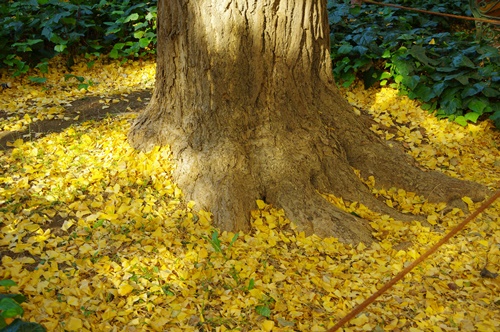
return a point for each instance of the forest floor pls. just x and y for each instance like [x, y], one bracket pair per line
[98, 237]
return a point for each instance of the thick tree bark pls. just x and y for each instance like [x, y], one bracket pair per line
[245, 98]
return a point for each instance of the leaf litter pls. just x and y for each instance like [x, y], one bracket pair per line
[99, 238]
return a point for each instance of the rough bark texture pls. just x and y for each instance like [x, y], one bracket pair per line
[245, 98]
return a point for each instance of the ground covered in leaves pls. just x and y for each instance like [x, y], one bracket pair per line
[98, 238]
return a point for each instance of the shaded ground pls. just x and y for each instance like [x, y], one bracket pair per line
[88, 108]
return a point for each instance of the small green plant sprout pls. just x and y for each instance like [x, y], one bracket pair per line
[251, 284]
[11, 310]
[264, 309]
[233, 240]
[216, 243]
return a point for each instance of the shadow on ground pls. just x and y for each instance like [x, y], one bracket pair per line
[86, 109]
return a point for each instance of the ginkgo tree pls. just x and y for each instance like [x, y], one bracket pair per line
[246, 100]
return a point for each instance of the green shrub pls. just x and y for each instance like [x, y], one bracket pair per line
[10, 308]
[422, 55]
[36, 30]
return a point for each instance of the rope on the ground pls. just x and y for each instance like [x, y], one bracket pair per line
[410, 267]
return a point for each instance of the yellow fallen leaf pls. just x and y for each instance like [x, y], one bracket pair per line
[108, 314]
[432, 219]
[74, 324]
[257, 293]
[158, 323]
[202, 253]
[85, 248]
[67, 224]
[125, 289]
[268, 325]
[71, 300]
[260, 204]
[468, 201]
[32, 227]
[360, 320]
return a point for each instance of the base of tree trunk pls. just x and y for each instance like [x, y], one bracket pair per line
[289, 161]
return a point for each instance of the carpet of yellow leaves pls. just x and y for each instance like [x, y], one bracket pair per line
[98, 238]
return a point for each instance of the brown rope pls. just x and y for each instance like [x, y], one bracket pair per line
[405, 271]
[485, 20]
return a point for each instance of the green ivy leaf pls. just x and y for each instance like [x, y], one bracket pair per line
[478, 105]
[450, 100]
[60, 48]
[399, 78]
[495, 117]
[403, 67]
[344, 49]
[119, 46]
[463, 61]
[19, 325]
[10, 308]
[263, 310]
[355, 10]
[472, 90]
[36, 79]
[144, 42]
[464, 79]
[489, 92]
[438, 88]
[472, 116]
[487, 51]
[419, 53]
[385, 75]
[131, 17]
[424, 93]
[114, 54]
[138, 34]
[7, 283]
[19, 298]
[387, 54]
[430, 107]
[461, 120]
[411, 81]
[348, 78]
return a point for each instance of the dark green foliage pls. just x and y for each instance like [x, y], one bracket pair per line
[421, 55]
[10, 308]
[36, 30]
[19, 325]
[427, 57]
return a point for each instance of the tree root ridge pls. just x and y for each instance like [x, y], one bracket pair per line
[229, 178]
[289, 163]
[392, 166]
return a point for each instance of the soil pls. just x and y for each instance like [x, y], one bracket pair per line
[87, 109]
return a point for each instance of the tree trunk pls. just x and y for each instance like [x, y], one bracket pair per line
[245, 98]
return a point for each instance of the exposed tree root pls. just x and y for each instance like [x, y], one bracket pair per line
[288, 164]
[391, 167]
